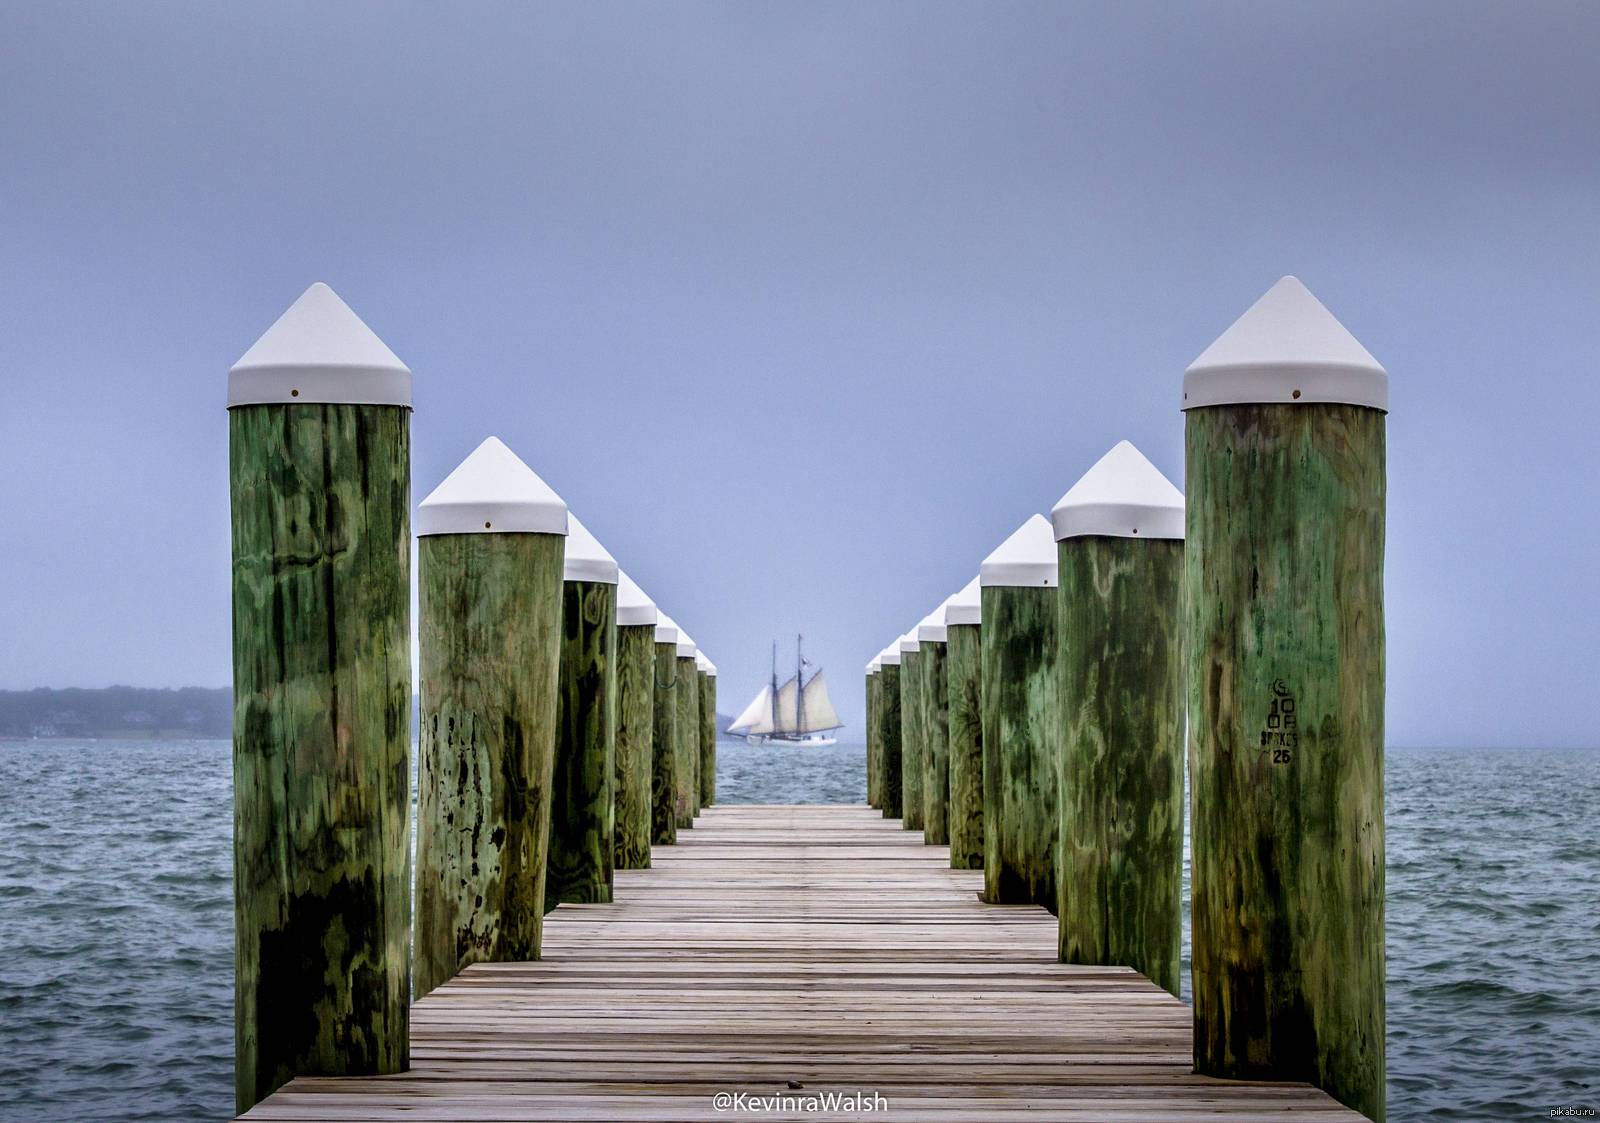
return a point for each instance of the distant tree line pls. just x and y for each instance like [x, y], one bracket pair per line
[117, 711]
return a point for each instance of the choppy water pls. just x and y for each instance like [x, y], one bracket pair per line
[116, 925]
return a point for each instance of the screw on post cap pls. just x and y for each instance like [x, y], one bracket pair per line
[666, 628]
[964, 607]
[586, 559]
[1122, 496]
[492, 492]
[931, 628]
[634, 608]
[1287, 348]
[890, 656]
[686, 647]
[319, 352]
[705, 664]
[1028, 557]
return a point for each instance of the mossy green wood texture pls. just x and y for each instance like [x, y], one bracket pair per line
[874, 687]
[490, 641]
[1286, 677]
[1022, 720]
[687, 768]
[708, 740]
[321, 740]
[963, 693]
[935, 728]
[582, 815]
[889, 786]
[635, 734]
[911, 743]
[1120, 800]
[664, 748]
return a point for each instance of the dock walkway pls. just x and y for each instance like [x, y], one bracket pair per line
[792, 951]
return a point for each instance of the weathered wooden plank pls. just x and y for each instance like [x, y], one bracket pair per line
[321, 738]
[724, 969]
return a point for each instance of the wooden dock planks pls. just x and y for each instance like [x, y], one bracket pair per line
[819, 945]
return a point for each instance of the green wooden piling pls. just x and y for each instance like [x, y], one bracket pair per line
[889, 785]
[1021, 721]
[320, 502]
[1285, 436]
[1121, 795]
[687, 767]
[708, 738]
[664, 735]
[1120, 800]
[963, 693]
[582, 820]
[490, 609]
[935, 729]
[874, 700]
[636, 674]
[912, 745]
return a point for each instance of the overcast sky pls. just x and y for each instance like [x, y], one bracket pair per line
[803, 308]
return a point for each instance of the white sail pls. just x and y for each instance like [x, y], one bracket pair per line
[819, 712]
[757, 716]
[785, 716]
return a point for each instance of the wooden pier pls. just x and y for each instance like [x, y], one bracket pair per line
[796, 951]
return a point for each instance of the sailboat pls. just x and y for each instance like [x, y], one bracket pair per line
[798, 712]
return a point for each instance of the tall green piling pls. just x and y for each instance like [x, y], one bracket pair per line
[934, 725]
[964, 705]
[583, 789]
[635, 732]
[664, 733]
[492, 538]
[889, 785]
[686, 797]
[1286, 496]
[708, 730]
[1021, 716]
[319, 464]
[911, 741]
[874, 700]
[1119, 541]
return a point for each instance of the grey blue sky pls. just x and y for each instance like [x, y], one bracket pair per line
[804, 307]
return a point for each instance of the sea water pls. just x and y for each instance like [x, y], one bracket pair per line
[116, 924]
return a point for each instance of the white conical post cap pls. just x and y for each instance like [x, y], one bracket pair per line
[890, 656]
[909, 644]
[964, 607]
[1286, 348]
[586, 559]
[931, 627]
[1122, 496]
[1028, 557]
[666, 628]
[492, 492]
[319, 351]
[686, 647]
[872, 667]
[634, 608]
[705, 664]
